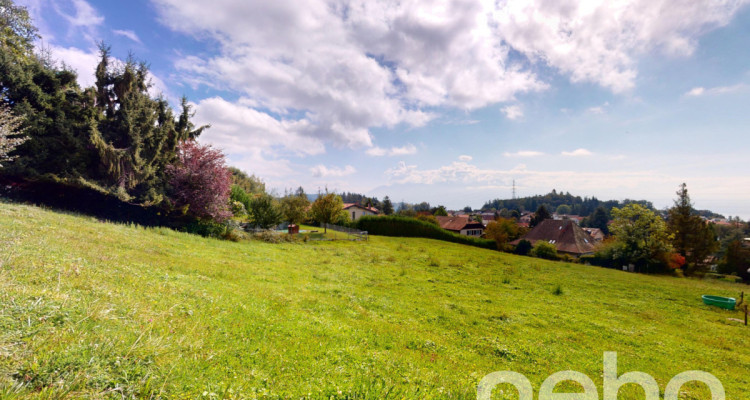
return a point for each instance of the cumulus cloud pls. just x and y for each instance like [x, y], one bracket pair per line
[393, 151]
[577, 153]
[128, 34]
[701, 91]
[512, 112]
[345, 68]
[523, 153]
[83, 62]
[321, 171]
[237, 129]
[600, 41]
[349, 68]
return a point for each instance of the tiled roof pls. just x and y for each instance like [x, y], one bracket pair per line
[458, 223]
[350, 205]
[566, 235]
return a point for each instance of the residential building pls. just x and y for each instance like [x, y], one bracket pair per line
[462, 225]
[356, 211]
[565, 234]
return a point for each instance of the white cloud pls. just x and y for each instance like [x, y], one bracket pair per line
[239, 129]
[321, 171]
[701, 91]
[524, 153]
[83, 19]
[346, 67]
[512, 112]
[349, 68]
[461, 172]
[465, 158]
[577, 153]
[697, 91]
[600, 41]
[393, 151]
[83, 62]
[128, 34]
[598, 109]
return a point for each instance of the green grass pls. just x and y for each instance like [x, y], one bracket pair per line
[97, 310]
[320, 233]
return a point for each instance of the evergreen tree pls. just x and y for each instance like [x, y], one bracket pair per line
[540, 215]
[694, 239]
[440, 211]
[599, 220]
[387, 206]
[135, 136]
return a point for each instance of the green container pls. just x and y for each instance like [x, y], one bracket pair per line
[723, 302]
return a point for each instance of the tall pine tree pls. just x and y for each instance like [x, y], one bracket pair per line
[135, 136]
[693, 238]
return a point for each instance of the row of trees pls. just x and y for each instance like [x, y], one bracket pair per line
[113, 137]
[552, 201]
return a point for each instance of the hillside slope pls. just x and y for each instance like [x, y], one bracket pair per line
[100, 310]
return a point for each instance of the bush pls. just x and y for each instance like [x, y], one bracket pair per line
[523, 247]
[544, 250]
[398, 226]
[273, 237]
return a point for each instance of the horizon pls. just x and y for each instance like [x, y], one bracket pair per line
[447, 102]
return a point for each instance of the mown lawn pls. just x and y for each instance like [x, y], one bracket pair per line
[97, 310]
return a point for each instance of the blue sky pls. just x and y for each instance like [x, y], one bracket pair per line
[448, 101]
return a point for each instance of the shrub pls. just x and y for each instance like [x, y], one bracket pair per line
[545, 250]
[200, 182]
[398, 226]
[264, 211]
[273, 237]
[523, 247]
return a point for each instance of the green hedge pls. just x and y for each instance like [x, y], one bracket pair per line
[393, 225]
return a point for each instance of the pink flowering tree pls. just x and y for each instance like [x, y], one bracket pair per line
[200, 181]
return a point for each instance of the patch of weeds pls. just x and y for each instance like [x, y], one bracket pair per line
[499, 318]
[433, 262]
[506, 280]
[427, 345]
[558, 291]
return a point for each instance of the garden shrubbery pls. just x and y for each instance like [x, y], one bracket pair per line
[393, 225]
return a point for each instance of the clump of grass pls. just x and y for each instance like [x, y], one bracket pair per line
[558, 291]
[433, 262]
[506, 280]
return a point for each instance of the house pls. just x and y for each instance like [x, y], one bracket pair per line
[565, 234]
[526, 217]
[356, 211]
[461, 225]
[595, 233]
[488, 217]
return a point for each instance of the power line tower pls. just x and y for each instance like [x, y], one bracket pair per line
[514, 189]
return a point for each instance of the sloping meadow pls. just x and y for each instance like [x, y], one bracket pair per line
[98, 310]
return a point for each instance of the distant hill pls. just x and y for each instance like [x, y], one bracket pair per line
[578, 205]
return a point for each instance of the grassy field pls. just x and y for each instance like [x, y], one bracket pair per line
[97, 310]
